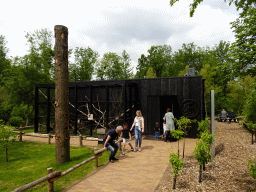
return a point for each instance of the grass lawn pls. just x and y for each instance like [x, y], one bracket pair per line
[29, 161]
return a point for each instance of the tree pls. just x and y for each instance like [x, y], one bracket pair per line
[150, 73]
[83, 68]
[142, 67]
[177, 165]
[203, 155]
[62, 137]
[4, 62]
[250, 105]
[126, 65]
[159, 58]
[112, 67]
[177, 134]
[244, 48]
[5, 137]
[240, 4]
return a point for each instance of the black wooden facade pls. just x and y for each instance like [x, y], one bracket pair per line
[183, 95]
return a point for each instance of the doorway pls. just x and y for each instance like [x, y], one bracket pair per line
[156, 107]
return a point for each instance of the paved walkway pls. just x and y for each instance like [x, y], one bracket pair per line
[135, 171]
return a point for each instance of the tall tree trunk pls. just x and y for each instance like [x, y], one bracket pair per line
[204, 166]
[200, 174]
[62, 137]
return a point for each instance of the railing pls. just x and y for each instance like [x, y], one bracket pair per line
[53, 176]
[250, 129]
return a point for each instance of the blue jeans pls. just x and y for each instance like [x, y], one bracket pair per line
[113, 147]
[138, 136]
[156, 134]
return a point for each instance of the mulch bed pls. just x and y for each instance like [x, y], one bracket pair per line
[227, 172]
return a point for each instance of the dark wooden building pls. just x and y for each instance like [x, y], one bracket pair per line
[107, 100]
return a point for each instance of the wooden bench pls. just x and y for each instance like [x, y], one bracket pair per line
[219, 119]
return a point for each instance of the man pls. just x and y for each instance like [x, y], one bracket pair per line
[168, 118]
[223, 115]
[109, 143]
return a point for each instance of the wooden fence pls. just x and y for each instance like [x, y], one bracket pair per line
[53, 176]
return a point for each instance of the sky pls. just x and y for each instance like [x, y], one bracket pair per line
[115, 25]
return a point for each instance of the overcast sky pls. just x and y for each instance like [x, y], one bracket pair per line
[115, 25]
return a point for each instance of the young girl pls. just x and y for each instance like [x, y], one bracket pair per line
[157, 130]
[126, 134]
[139, 129]
[164, 129]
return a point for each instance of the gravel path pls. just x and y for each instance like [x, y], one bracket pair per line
[227, 172]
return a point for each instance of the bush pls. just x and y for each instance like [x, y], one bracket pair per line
[252, 166]
[250, 106]
[16, 121]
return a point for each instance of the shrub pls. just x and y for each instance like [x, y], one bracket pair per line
[177, 165]
[16, 121]
[252, 166]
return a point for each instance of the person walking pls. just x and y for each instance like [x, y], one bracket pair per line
[138, 123]
[126, 135]
[109, 143]
[168, 118]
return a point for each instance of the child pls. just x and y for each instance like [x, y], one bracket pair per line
[157, 130]
[164, 129]
[126, 134]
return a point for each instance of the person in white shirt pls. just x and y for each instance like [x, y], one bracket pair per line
[139, 129]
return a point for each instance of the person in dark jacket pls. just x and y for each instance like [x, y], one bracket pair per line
[109, 143]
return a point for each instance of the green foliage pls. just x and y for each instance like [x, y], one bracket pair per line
[244, 48]
[150, 73]
[203, 126]
[252, 166]
[83, 68]
[207, 138]
[112, 67]
[159, 58]
[202, 152]
[240, 4]
[183, 123]
[250, 106]
[176, 163]
[16, 121]
[5, 137]
[177, 134]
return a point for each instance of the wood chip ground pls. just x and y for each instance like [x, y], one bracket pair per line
[228, 170]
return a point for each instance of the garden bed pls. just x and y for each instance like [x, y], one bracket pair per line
[227, 172]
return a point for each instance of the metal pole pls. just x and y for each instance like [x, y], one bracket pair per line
[212, 120]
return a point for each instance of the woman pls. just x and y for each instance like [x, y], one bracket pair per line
[168, 118]
[139, 129]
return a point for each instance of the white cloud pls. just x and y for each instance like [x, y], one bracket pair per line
[114, 25]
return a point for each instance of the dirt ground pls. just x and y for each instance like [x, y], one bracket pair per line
[228, 170]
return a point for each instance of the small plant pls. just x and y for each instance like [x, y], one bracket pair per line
[177, 134]
[252, 166]
[184, 124]
[5, 137]
[203, 155]
[177, 165]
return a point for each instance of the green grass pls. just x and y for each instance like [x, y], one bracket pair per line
[29, 161]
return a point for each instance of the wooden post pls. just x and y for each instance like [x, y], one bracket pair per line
[96, 161]
[49, 171]
[20, 136]
[62, 137]
[81, 140]
[49, 138]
